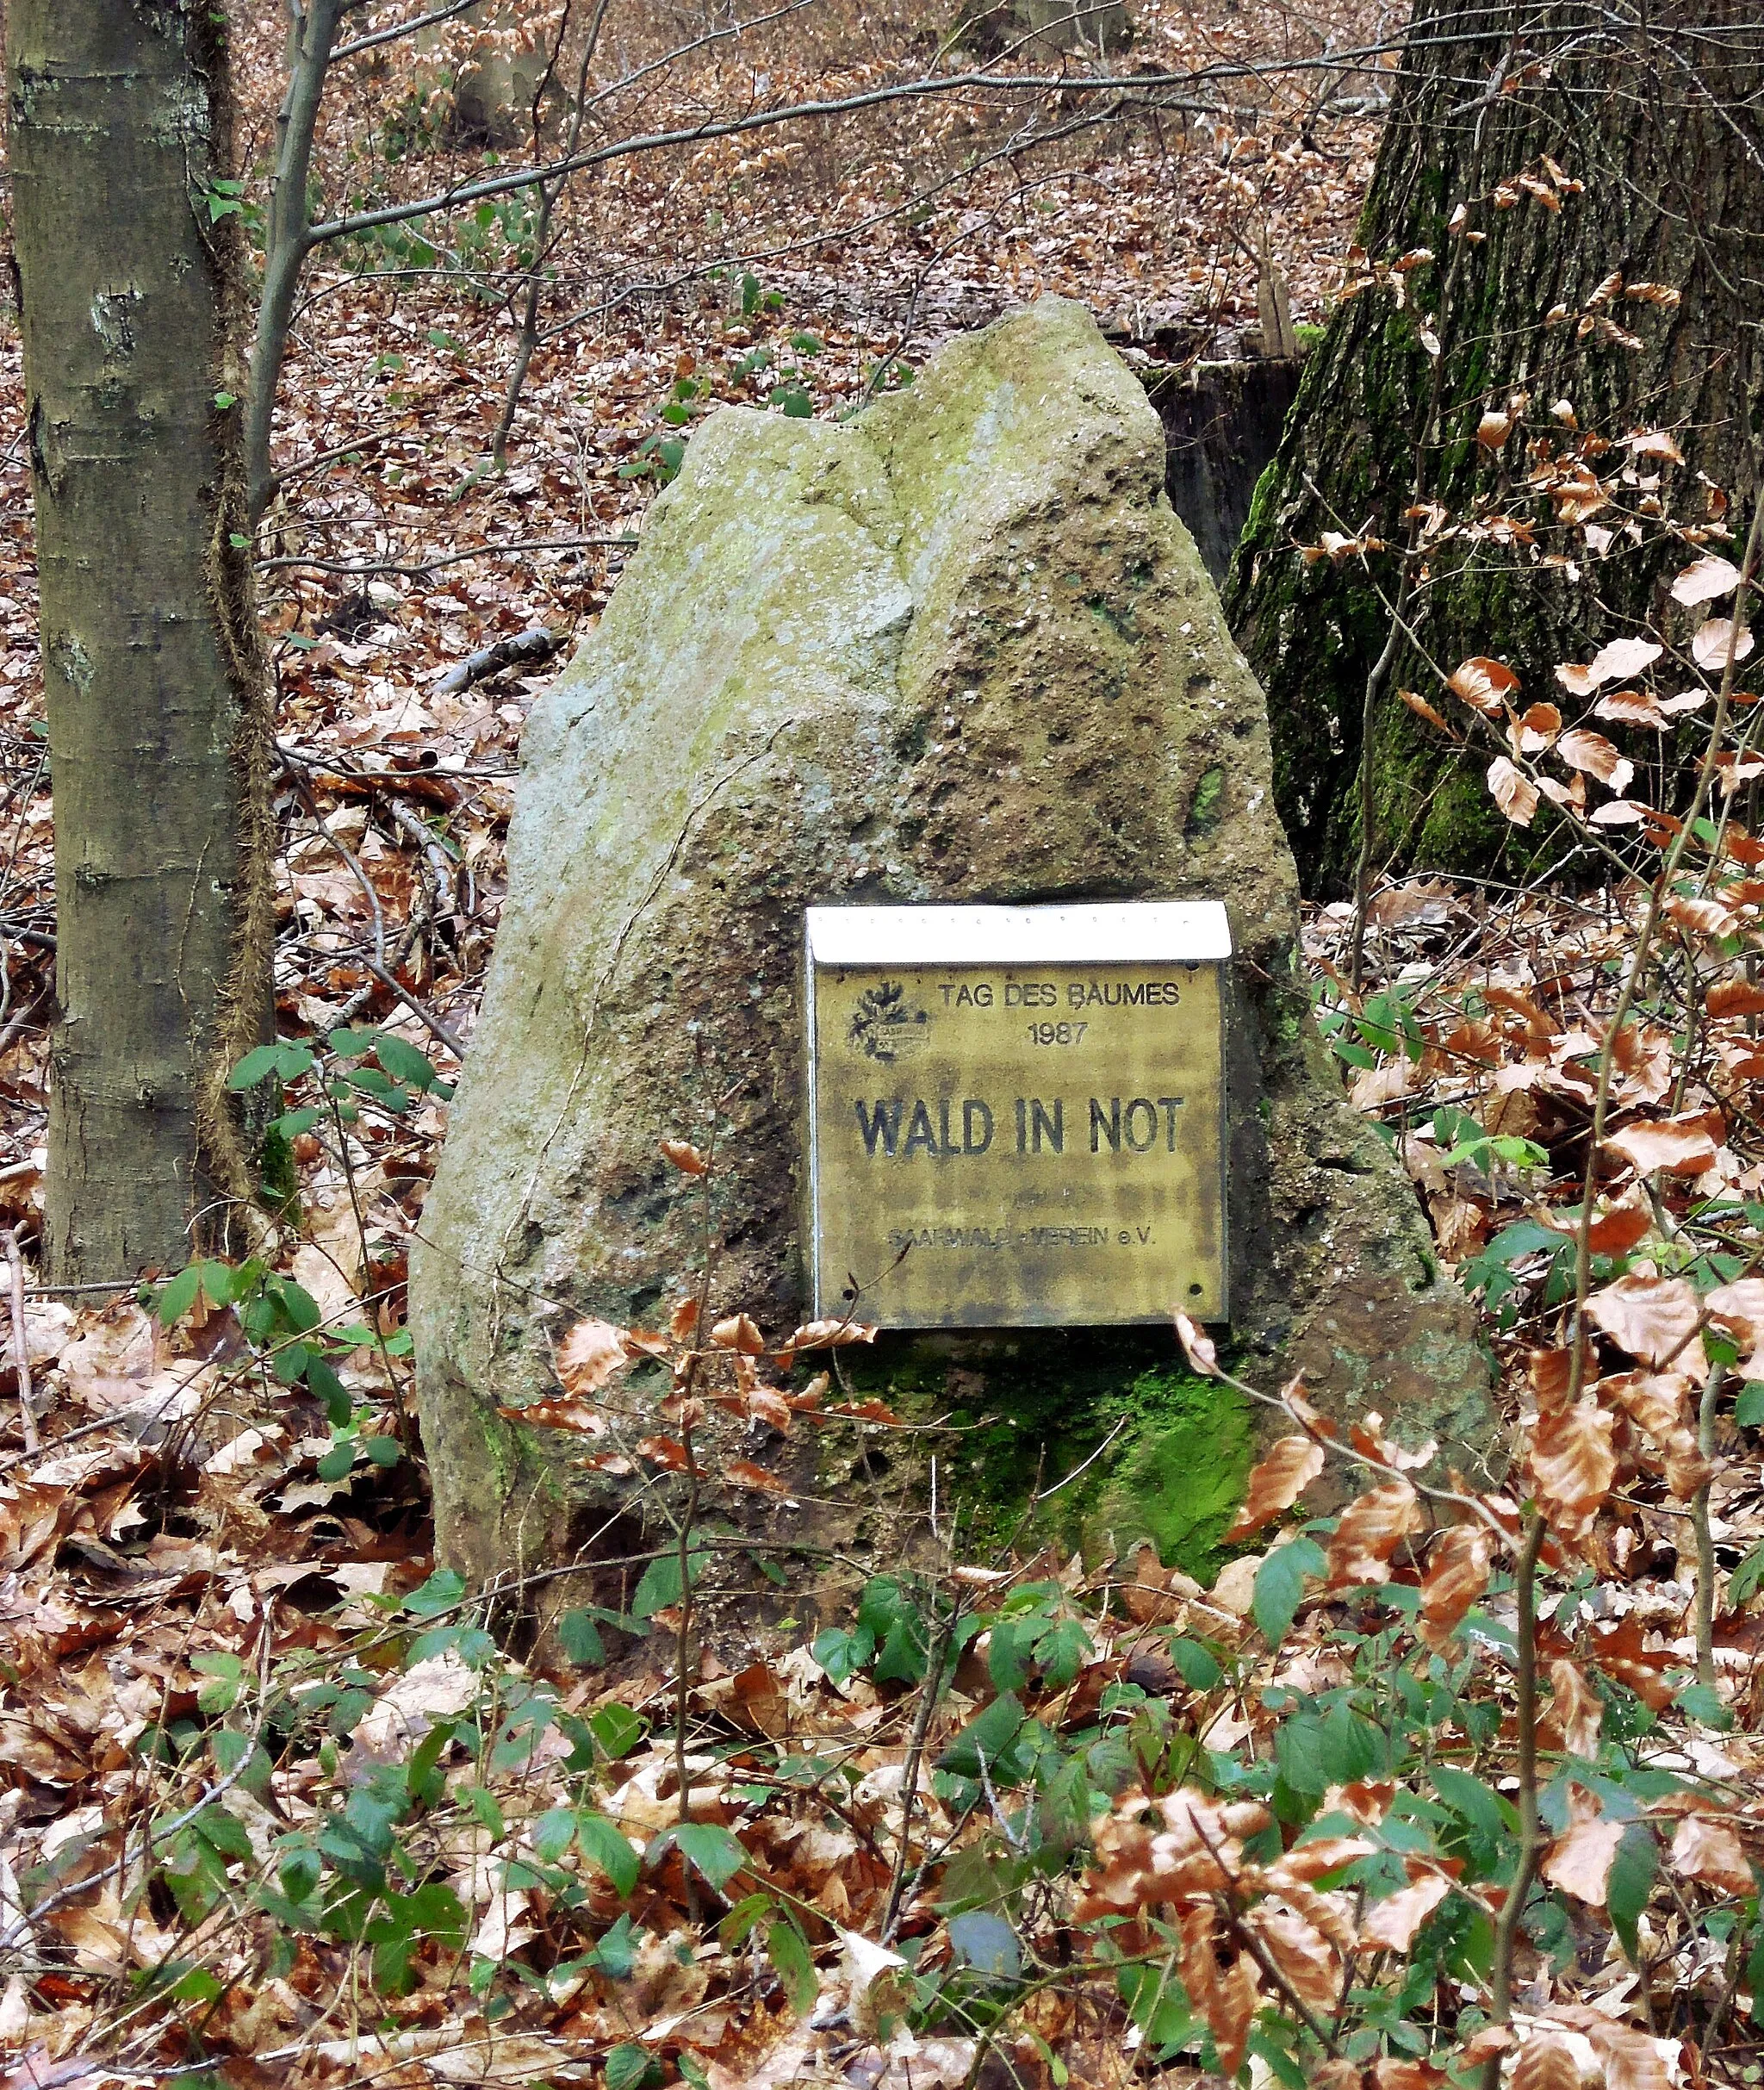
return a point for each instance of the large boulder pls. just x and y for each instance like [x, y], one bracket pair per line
[958, 647]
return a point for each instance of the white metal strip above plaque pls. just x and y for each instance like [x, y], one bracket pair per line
[1128, 932]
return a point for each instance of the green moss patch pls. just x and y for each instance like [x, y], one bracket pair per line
[1144, 1450]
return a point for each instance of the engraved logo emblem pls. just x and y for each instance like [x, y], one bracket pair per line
[884, 1025]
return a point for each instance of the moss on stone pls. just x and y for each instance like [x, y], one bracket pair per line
[1205, 806]
[1168, 1454]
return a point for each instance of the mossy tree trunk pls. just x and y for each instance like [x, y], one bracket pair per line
[1662, 127]
[159, 731]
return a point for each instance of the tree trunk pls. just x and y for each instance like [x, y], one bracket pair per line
[1662, 128]
[158, 728]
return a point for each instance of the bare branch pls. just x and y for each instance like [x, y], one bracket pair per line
[377, 37]
[1159, 88]
[289, 240]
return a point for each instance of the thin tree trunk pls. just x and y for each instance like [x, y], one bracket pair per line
[1660, 122]
[159, 729]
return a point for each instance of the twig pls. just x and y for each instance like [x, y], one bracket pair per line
[425, 1015]
[418, 569]
[1712, 1385]
[20, 1340]
[909, 1772]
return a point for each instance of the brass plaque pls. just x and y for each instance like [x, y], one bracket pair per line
[1016, 1115]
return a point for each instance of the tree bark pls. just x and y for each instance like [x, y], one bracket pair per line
[1660, 122]
[157, 708]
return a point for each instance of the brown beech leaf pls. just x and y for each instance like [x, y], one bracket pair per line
[591, 1354]
[1735, 998]
[577, 1415]
[739, 1332]
[1578, 1709]
[1631, 707]
[1572, 1464]
[1739, 1309]
[1304, 1956]
[1371, 1528]
[1546, 2062]
[831, 1334]
[1621, 659]
[1458, 1573]
[1485, 2044]
[1653, 1318]
[667, 1452]
[684, 1157]
[1275, 1483]
[745, 1474]
[1394, 2072]
[1494, 429]
[1304, 1863]
[1632, 2059]
[1368, 1435]
[1705, 1847]
[1580, 1862]
[1514, 792]
[1683, 1146]
[1705, 580]
[1392, 1922]
[1597, 757]
[1419, 706]
[1236, 1996]
[1712, 646]
[1703, 917]
[1197, 1346]
[683, 1320]
[1483, 684]
[766, 1404]
[1537, 728]
[1619, 1229]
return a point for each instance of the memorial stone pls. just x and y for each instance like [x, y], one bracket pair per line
[955, 654]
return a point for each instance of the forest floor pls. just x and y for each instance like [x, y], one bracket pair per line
[195, 1553]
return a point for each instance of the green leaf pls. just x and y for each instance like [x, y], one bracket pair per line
[661, 1585]
[788, 1951]
[1701, 1702]
[1755, 1975]
[842, 1653]
[606, 1848]
[616, 1729]
[580, 1638]
[226, 1674]
[179, 1295]
[338, 1463]
[443, 1590]
[553, 1832]
[1469, 1798]
[986, 1942]
[1195, 1665]
[1008, 1654]
[629, 2066]
[986, 1738]
[287, 1062]
[298, 1304]
[1280, 1585]
[404, 1062]
[709, 1850]
[1748, 1408]
[1633, 1872]
[1744, 1584]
